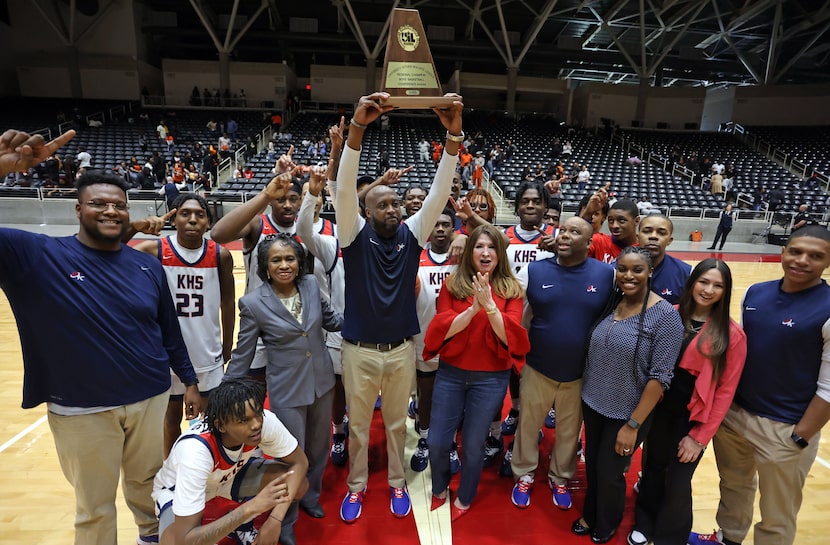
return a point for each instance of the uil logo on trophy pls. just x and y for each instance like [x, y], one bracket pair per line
[409, 74]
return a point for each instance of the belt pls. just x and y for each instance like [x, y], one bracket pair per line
[380, 347]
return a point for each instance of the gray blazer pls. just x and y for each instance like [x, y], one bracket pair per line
[299, 367]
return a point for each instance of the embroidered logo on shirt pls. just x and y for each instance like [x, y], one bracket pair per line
[789, 322]
[666, 291]
[400, 246]
[77, 276]
[143, 268]
[591, 289]
[546, 286]
[373, 241]
[750, 308]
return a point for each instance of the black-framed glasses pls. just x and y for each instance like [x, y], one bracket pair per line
[479, 206]
[100, 206]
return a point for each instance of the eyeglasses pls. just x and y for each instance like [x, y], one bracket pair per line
[280, 236]
[100, 206]
[479, 206]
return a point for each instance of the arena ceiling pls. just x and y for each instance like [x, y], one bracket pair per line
[667, 42]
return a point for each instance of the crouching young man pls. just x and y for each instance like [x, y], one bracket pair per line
[221, 456]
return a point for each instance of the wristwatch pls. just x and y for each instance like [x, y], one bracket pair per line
[633, 424]
[798, 440]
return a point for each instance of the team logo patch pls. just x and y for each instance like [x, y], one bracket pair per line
[789, 322]
[77, 276]
[666, 291]
[591, 289]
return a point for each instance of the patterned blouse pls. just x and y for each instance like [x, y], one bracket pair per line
[615, 376]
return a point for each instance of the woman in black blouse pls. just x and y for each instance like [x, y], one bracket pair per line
[631, 354]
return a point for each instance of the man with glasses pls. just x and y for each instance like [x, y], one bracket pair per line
[104, 371]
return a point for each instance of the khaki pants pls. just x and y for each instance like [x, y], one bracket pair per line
[755, 452]
[365, 373]
[538, 393]
[93, 449]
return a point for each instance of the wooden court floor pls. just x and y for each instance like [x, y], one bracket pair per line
[37, 504]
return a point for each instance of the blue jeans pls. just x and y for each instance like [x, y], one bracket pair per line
[475, 396]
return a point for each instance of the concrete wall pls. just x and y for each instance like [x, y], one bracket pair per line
[782, 105]
[675, 106]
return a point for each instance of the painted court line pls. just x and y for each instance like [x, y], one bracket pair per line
[23, 433]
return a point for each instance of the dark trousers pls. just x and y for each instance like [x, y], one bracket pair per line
[721, 235]
[664, 504]
[605, 470]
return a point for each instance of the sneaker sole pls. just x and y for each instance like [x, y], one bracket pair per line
[520, 506]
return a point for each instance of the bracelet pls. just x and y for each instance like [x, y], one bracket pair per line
[271, 516]
[495, 310]
[454, 138]
[358, 125]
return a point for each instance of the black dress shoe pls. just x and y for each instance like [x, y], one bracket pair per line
[315, 510]
[580, 530]
[287, 536]
[596, 538]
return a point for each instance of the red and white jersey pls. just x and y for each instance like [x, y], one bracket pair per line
[433, 268]
[193, 278]
[523, 247]
[200, 468]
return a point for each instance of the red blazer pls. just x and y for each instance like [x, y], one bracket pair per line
[476, 347]
[710, 401]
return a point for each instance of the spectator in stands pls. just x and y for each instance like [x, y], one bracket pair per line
[478, 169]
[243, 98]
[719, 168]
[645, 207]
[704, 382]
[70, 169]
[423, 150]
[206, 99]
[727, 218]
[84, 158]
[803, 218]
[466, 160]
[195, 97]
[626, 373]
[776, 198]
[224, 146]
[170, 191]
[556, 148]
[159, 167]
[213, 127]
[783, 393]
[583, 178]
[567, 150]
[759, 197]
[136, 178]
[231, 128]
[161, 131]
[554, 190]
[716, 184]
[477, 332]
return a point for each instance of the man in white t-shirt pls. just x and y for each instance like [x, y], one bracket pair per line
[221, 456]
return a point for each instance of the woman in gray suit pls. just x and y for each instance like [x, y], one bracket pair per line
[289, 315]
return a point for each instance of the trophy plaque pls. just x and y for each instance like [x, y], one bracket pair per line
[409, 74]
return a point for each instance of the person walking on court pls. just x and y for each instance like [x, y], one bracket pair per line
[727, 217]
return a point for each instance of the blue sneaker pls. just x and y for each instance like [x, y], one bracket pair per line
[420, 459]
[521, 492]
[346, 425]
[399, 504]
[339, 453]
[148, 540]
[706, 539]
[550, 419]
[505, 469]
[508, 427]
[561, 496]
[455, 461]
[352, 506]
[412, 412]
[377, 403]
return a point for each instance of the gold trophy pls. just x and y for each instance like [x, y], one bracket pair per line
[408, 70]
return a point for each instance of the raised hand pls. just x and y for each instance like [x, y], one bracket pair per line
[369, 108]
[316, 180]
[336, 136]
[279, 185]
[481, 283]
[394, 175]
[451, 117]
[20, 151]
[596, 202]
[547, 242]
[285, 162]
[152, 225]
